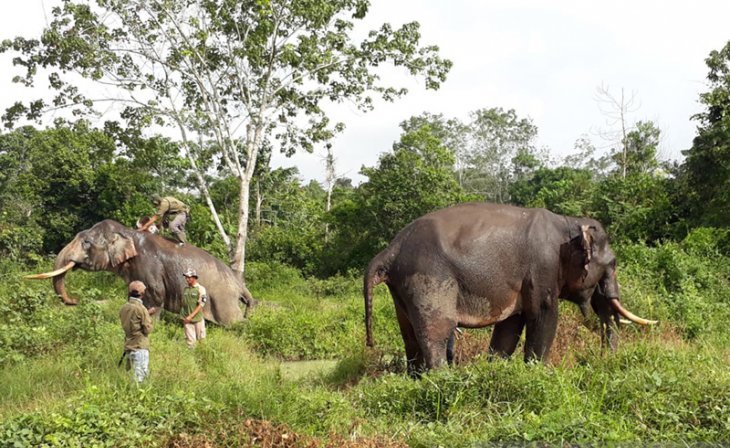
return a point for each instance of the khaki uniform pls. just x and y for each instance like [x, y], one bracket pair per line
[192, 297]
[137, 325]
[173, 214]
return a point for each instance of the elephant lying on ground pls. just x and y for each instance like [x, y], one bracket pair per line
[156, 261]
[478, 264]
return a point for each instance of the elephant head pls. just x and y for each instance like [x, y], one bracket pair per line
[104, 247]
[592, 280]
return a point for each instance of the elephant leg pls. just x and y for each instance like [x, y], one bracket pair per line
[450, 348]
[414, 356]
[506, 335]
[540, 331]
[433, 338]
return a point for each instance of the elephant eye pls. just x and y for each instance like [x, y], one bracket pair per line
[86, 244]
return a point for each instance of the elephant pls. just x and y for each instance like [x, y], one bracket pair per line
[156, 261]
[478, 264]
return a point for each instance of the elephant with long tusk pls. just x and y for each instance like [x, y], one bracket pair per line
[480, 264]
[158, 263]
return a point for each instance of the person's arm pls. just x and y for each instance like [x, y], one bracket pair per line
[202, 298]
[162, 208]
[146, 323]
[148, 223]
[190, 316]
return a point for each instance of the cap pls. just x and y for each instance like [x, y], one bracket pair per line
[156, 199]
[190, 273]
[136, 288]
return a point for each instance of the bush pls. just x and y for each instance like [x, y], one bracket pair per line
[673, 283]
[104, 418]
[20, 243]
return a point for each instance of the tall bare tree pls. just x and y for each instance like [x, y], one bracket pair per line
[617, 109]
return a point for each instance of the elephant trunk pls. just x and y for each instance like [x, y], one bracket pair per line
[62, 265]
[60, 287]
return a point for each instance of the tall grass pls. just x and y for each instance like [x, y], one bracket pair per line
[60, 384]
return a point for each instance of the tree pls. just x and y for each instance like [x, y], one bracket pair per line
[616, 110]
[564, 190]
[234, 72]
[640, 150]
[414, 179]
[500, 146]
[60, 180]
[584, 157]
[705, 172]
[636, 208]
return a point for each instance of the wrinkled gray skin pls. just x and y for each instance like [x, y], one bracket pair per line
[159, 264]
[480, 264]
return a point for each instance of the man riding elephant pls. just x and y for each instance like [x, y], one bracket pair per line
[173, 213]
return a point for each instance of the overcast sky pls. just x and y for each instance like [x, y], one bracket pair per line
[545, 59]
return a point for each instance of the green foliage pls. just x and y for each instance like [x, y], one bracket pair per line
[654, 389]
[635, 208]
[640, 150]
[639, 394]
[684, 283]
[62, 180]
[416, 178]
[107, 418]
[705, 172]
[36, 323]
[499, 149]
[324, 323]
[563, 190]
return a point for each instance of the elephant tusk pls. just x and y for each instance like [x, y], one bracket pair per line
[52, 273]
[629, 315]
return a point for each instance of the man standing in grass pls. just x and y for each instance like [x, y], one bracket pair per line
[193, 301]
[137, 326]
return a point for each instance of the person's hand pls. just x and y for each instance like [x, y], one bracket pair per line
[186, 320]
[152, 310]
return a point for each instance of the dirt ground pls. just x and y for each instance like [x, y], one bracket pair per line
[264, 434]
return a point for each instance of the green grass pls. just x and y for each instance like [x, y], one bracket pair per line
[300, 362]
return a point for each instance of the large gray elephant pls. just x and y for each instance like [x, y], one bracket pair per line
[156, 261]
[479, 264]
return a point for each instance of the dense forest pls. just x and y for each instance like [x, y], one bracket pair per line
[302, 248]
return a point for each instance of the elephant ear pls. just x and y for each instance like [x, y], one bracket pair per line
[586, 243]
[120, 249]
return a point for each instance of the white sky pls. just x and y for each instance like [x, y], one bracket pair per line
[544, 59]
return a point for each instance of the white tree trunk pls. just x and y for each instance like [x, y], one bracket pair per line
[209, 201]
[238, 260]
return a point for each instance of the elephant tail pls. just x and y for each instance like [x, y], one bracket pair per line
[376, 273]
